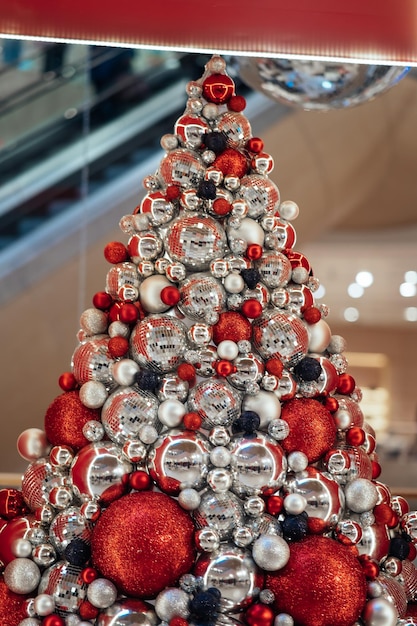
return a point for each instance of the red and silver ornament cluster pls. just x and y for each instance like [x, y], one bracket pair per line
[208, 461]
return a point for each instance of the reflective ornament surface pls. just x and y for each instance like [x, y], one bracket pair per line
[275, 269]
[68, 525]
[257, 463]
[200, 294]
[126, 411]
[195, 241]
[159, 342]
[260, 194]
[221, 511]
[318, 85]
[181, 167]
[280, 335]
[92, 361]
[216, 403]
[128, 612]
[64, 583]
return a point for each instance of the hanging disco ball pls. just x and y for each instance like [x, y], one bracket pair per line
[318, 85]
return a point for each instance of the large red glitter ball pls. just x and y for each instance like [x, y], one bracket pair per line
[233, 326]
[12, 606]
[312, 428]
[65, 418]
[231, 163]
[143, 543]
[322, 584]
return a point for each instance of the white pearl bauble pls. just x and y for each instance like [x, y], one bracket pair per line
[101, 593]
[227, 350]
[283, 619]
[220, 456]
[44, 604]
[29, 621]
[124, 372]
[234, 283]
[171, 412]
[148, 434]
[210, 111]
[265, 404]
[319, 336]
[295, 503]
[172, 602]
[93, 394]
[270, 552]
[299, 275]
[21, 548]
[32, 444]
[189, 499]
[379, 612]
[249, 231]
[288, 210]
[22, 576]
[150, 293]
[297, 461]
[118, 329]
[361, 495]
[93, 322]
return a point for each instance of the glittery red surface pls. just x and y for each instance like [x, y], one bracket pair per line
[12, 606]
[65, 418]
[322, 584]
[231, 163]
[312, 428]
[233, 326]
[143, 543]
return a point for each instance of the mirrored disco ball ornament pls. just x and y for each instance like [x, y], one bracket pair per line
[68, 525]
[318, 85]
[195, 241]
[158, 342]
[216, 403]
[201, 294]
[221, 511]
[128, 612]
[65, 584]
[126, 411]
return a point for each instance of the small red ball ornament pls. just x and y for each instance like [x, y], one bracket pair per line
[170, 295]
[312, 428]
[251, 308]
[192, 421]
[12, 503]
[89, 574]
[53, 620]
[87, 610]
[312, 315]
[355, 436]
[323, 584]
[412, 552]
[118, 346]
[102, 300]
[143, 542]
[115, 252]
[140, 480]
[218, 88]
[259, 615]
[231, 325]
[331, 404]
[65, 418]
[237, 103]
[346, 384]
[376, 470]
[114, 312]
[224, 368]
[67, 381]
[384, 514]
[221, 206]
[254, 251]
[274, 505]
[128, 313]
[187, 372]
[369, 566]
[255, 145]
[274, 367]
[178, 621]
[172, 192]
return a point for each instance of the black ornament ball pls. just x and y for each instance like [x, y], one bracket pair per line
[207, 190]
[216, 142]
[399, 547]
[295, 527]
[251, 277]
[308, 369]
[147, 380]
[77, 552]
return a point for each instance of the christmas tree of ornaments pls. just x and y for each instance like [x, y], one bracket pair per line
[208, 462]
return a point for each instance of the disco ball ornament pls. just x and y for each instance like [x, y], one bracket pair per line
[318, 85]
[208, 453]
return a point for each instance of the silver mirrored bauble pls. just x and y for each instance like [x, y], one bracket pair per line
[191, 128]
[257, 463]
[348, 414]
[219, 436]
[242, 536]
[68, 525]
[275, 269]
[254, 506]
[233, 572]
[122, 282]
[375, 541]
[158, 342]
[317, 84]
[22, 575]
[126, 411]
[280, 335]
[278, 429]
[157, 208]
[181, 167]
[260, 194]
[92, 361]
[38, 481]
[64, 583]
[409, 524]
[324, 496]
[221, 511]
[265, 524]
[207, 539]
[200, 334]
[179, 456]
[201, 293]
[408, 579]
[348, 463]
[249, 369]
[128, 612]
[216, 403]
[219, 480]
[393, 591]
[171, 387]
[93, 430]
[195, 241]
[99, 467]
[44, 555]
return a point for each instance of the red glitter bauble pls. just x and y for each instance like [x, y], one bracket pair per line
[65, 418]
[312, 428]
[274, 367]
[115, 252]
[172, 192]
[192, 421]
[237, 103]
[218, 88]
[321, 585]
[231, 163]
[12, 503]
[259, 615]
[118, 346]
[87, 610]
[186, 371]
[231, 325]
[221, 206]
[143, 543]
[12, 606]
[312, 315]
[67, 381]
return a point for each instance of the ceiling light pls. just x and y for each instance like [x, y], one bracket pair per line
[355, 290]
[408, 290]
[410, 314]
[351, 314]
[364, 279]
[411, 277]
